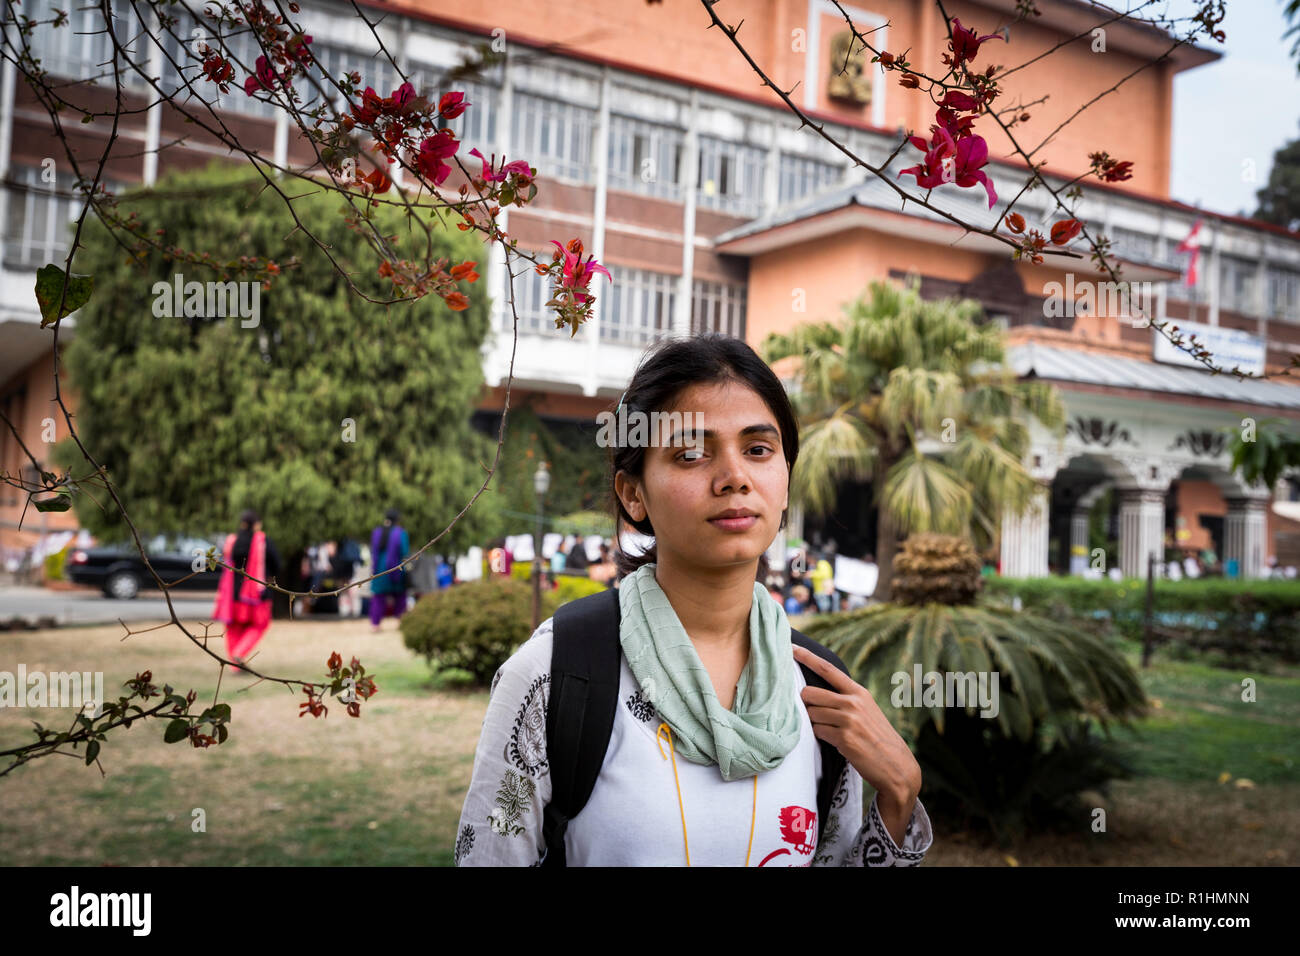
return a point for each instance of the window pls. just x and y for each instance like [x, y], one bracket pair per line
[1237, 278]
[645, 157]
[1284, 293]
[554, 137]
[730, 176]
[81, 48]
[639, 307]
[800, 176]
[1130, 244]
[39, 212]
[718, 307]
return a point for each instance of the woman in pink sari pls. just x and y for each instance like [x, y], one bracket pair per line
[245, 608]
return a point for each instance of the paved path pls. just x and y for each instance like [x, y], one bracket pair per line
[89, 606]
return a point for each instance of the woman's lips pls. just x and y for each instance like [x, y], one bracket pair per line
[740, 523]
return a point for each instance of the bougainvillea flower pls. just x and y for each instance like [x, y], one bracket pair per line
[402, 97]
[1118, 172]
[1065, 230]
[577, 273]
[962, 102]
[451, 105]
[957, 162]
[456, 301]
[429, 161]
[264, 77]
[958, 127]
[1016, 222]
[517, 167]
[296, 48]
[965, 44]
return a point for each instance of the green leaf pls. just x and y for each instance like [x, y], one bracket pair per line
[222, 733]
[50, 281]
[177, 730]
[221, 711]
[60, 502]
[92, 751]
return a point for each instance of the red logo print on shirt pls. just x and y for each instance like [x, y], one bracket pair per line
[798, 828]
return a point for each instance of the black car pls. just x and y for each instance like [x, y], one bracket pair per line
[119, 571]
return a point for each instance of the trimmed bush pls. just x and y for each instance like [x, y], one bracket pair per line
[1240, 622]
[474, 626]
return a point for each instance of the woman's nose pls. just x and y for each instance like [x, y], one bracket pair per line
[732, 474]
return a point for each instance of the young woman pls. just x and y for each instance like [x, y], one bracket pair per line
[714, 757]
[241, 603]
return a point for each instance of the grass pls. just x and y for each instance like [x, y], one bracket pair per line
[387, 789]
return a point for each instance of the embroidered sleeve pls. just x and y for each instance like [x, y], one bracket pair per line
[501, 822]
[870, 844]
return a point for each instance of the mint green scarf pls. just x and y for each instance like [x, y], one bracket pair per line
[764, 724]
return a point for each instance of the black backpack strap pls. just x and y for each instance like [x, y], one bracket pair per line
[583, 699]
[832, 760]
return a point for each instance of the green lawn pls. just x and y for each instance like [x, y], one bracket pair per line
[387, 789]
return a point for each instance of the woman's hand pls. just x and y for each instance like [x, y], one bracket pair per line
[849, 718]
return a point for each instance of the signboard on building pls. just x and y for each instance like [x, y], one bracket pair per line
[1228, 347]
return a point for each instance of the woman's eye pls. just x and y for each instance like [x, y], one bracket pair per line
[764, 449]
[686, 455]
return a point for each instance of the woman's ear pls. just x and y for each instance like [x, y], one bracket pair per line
[628, 490]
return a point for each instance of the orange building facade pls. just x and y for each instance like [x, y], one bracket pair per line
[659, 146]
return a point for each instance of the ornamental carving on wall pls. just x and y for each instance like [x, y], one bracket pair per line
[850, 70]
[1095, 431]
[1201, 442]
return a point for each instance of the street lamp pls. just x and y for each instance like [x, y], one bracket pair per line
[541, 484]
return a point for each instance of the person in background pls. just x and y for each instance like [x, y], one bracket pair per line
[389, 546]
[797, 602]
[559, 557]
[604, 570]
[347, 555]
[446, 576]
[823, 579]
[245, 607]
[576, 559]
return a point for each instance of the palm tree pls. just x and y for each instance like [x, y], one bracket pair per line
[913, 395]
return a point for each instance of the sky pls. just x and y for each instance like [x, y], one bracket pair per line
[1230, 116]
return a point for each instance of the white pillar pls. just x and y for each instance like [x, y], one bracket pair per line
[8, 73]
[153, 118]
[691, 162]
[1141, 530]
[601, 287]
[1025, 538]
[1244, 531]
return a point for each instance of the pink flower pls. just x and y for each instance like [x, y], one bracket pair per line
[296, 48]
[577, 274]
[949, 161]
[263, 79]
[965, 44]
[518, 167]
[402, 96]
[452, 105]
[429, 161]
[962, 102]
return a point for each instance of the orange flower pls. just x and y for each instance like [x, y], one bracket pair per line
[1065, 230]
[456, 301]
[1016, 222]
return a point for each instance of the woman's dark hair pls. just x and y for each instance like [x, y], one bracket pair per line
[664, 373]
[243, 539]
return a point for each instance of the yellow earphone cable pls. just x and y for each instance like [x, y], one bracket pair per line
[663, 727]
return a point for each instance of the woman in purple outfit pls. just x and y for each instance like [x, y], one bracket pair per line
[389, 546]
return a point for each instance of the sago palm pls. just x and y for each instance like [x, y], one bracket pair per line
[914, 396]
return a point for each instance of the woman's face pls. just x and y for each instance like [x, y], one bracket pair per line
[714, 494]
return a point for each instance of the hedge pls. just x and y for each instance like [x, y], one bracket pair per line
[1243, 619]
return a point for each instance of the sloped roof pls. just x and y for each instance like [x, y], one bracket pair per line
[1094, 368]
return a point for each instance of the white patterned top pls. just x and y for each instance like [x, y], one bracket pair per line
[634, 816]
